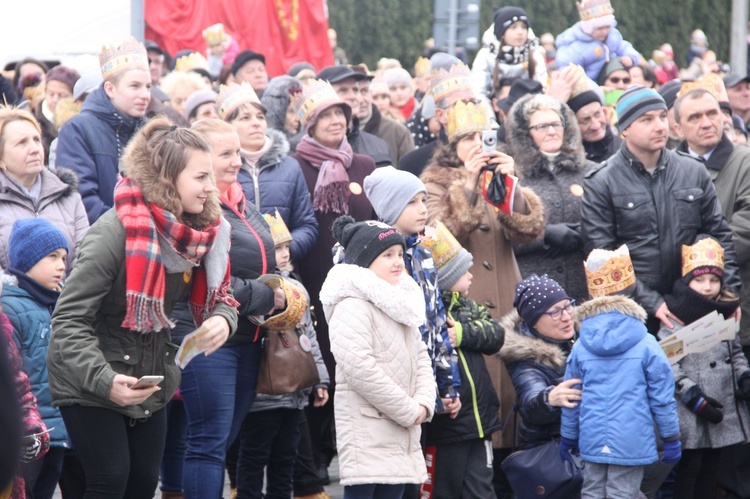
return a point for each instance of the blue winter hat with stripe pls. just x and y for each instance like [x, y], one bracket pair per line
[635, 102]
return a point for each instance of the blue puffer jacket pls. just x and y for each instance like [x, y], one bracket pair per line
[627, 386]
[277, 183]
[576, 47]
[31, 333]
[91, 144]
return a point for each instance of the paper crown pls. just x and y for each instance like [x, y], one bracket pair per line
[296, 304]
[316, 95]
[378, 87]
[466, 118]
[233, 96]
[422, 67]
[710, 82]
[583, 82]
[590, 9]
[705, 253]
[443, 83]
[441, 243]
[279, 231]
[130, 54]
[609, 272]
[215, 34]
[195, 60]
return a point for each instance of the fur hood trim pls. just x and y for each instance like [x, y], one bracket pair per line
[607, 304]
[68, 177]
[519, 347]
[279, 149]
[403, 302]
[530, 161]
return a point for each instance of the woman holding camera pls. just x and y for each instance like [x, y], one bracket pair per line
[455, 198]
[543, 137]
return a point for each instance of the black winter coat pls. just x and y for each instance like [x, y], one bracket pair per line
[604, 149]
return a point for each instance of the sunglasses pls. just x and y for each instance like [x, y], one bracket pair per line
[617, 79]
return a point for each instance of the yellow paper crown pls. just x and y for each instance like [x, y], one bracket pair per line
[214, 34]
[466, 118]
[609, 272]
[710, 82]
[443, 83]
[589, 9]
[422, 67]
[279, 231]
[314, 95]
[441, 243]
[705, 253]
[195, 60]
[233, 96]
[130, 54]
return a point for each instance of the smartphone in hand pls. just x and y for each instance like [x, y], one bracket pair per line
[147, 382]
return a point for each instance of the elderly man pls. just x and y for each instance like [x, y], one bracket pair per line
[738, 89]
[654, 200]
[157, 61]
[250, 66]
[599, 141]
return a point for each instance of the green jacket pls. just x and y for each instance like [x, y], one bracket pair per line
[89, 347]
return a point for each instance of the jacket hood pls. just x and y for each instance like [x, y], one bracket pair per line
[98, 103]
[530, 161]
[69, 178]
[611, 325]
[574, 34]
[519, 347]
[279, 149]
[276, 98]
[57, 183]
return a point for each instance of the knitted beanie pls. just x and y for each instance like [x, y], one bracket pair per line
[506, 16]
[31, 239]
[535, 295]
[64, 74]
[635, 102]
[451, 272]
[276, 98]
[396, 75]
[583, 99]
[197, 99]
[595, 14]
[669, 92]
[390, 190]
[363, 242]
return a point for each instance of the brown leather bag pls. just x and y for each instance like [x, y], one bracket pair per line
[287, 364]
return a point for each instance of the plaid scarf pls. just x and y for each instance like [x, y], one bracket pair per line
[145, 275]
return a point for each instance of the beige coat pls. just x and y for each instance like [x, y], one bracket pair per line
[383, 375]
[489, 237]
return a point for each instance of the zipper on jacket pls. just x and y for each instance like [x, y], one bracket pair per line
[475, 409]
[256, 173]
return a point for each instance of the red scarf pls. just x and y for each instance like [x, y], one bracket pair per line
[145, 275]
[408, 108]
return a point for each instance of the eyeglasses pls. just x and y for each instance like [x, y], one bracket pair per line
[617, 79]
[556, 126]
[557, 313]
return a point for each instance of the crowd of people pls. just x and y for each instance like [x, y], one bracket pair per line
[477, 260]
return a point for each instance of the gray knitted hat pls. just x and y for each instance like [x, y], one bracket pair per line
[390, 190]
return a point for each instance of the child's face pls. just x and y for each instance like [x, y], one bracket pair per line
[708, 285]
[49, 270]
[601, 34]
[412, 219]
[283, 255]
[389, 265]
[516, 35]
[463, 284]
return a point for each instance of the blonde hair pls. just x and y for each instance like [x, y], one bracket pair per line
[176, 79]
[9, 114]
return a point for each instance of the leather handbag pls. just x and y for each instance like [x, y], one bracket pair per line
[287, 364]
[540, 472]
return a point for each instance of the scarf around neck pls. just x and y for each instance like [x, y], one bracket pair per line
[253, 157]
[332, 185]
[145, 279]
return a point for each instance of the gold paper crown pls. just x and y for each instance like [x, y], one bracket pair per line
[710, 82]
[215, 34]
[378, 87]
[589, 9]
[315, 94]
[130, 54]
[279, 231]
[443, 83]
[466, 118]
[422, 67]
[583, 82]
[195, 60]
[441, 243]
[705, 253]
[609, 272]
[232, 96]
[296, 304]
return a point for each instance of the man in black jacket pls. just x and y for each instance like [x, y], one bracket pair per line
[654, 200]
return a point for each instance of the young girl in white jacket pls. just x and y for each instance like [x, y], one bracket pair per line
[384, 383]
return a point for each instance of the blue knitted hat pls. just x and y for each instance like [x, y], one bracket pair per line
[635, 102]
[31, 239]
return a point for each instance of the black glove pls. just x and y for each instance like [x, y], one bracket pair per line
[706, 408]
[744, 389]
[562, 239]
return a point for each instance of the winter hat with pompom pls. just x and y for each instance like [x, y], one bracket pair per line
[364, 241]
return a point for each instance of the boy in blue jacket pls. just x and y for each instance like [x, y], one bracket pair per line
[628, 386]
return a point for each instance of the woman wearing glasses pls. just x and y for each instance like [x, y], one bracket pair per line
[543, 137]
[538, 338]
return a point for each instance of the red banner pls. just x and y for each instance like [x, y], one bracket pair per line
[285, 31]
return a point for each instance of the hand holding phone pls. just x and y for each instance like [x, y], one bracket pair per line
[147, 382]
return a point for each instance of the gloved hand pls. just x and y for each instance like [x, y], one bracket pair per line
[568, 447]
[706, 408]
[30, 449]
[562, 239]
[672, 451]
[744, 389]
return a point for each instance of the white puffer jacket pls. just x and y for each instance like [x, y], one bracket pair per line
[383, 375]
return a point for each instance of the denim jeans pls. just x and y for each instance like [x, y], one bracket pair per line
[218, 392]
[174, 450]
[374, 491]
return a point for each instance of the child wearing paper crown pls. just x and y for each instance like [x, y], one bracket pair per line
[457, 448]
[385, 387]
[271, 431]
[627, 386]
[711, 385]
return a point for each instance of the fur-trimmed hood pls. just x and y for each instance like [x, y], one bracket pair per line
[611, 325]
[279, 149]
[529, 159]
[69, 178]
[521, 347]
